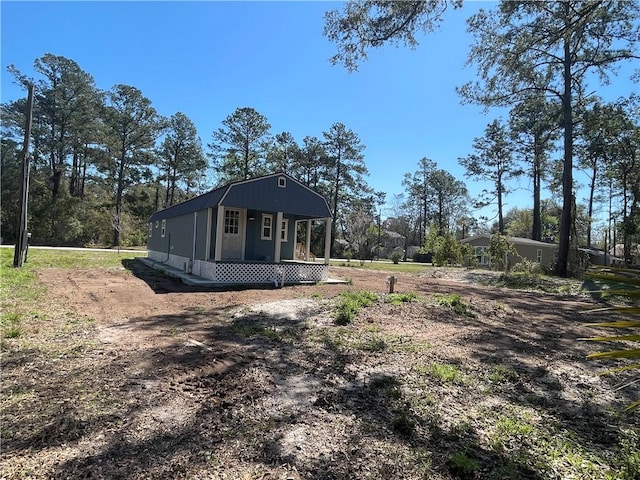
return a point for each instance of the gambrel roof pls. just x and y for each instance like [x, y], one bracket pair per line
[261, 193]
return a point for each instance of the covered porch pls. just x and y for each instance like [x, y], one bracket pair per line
[211, 273]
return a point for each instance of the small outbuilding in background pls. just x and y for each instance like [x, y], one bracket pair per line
[533, 250]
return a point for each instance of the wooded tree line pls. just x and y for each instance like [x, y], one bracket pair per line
[538, 59]
[104, 161]
[101, 161]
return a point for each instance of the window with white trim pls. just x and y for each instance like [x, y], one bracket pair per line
[164, 227]
[267, 227]
[284, 232]
[232, 222]
[282, 182]
[539, 255]
[482, 255]
[150, 229]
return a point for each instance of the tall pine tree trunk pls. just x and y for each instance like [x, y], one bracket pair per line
[567, 172]
[119, 191]
[592, 189]
[335, 203]
[536, 229]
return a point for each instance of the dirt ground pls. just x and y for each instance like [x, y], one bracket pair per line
[139, 376]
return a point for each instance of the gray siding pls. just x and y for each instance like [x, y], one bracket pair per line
[201, 228]
[180, 233]
[157, 242]
[212, 241]
[265, 195]
[531, 252]
[257, 249]
[262, 250]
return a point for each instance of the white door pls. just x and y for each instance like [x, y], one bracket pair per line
[233, 234]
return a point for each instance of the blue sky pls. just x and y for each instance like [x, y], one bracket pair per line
[205, 59]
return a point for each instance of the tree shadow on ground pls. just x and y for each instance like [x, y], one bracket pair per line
[542, 360]
[257, 388]
[161, 282]
[239, 393]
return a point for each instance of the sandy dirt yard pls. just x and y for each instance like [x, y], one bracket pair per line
[134, 375]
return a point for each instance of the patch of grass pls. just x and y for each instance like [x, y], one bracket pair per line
[456, 302]
[562, 451]
[402, 267]
[51, 258]
[462, 465]
[350, 303]
[630, 455]
[445, 372]
[251, 331]
[402, 423]
[410, 347]
[11, 324]
[400, 298]
[373, 328]
[511, 426]
[19, 286]
[374, 345]
[502, 374]
[441, 371]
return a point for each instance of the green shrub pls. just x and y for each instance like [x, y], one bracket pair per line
[422, 256]
[446, 249]
[395, 256]
[399, 298]
[500, 248]
[528, 266]
[455, 301]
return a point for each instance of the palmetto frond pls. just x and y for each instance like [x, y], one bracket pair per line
[626, 285]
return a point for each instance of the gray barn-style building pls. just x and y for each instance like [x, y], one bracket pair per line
[244, 233]
[540, 252]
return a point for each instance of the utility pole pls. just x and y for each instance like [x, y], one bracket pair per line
[21, 241]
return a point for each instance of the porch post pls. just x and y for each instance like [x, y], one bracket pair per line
[219, 232]
[207, 253]
[327, 242]
[278, 239]
[308, 242]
